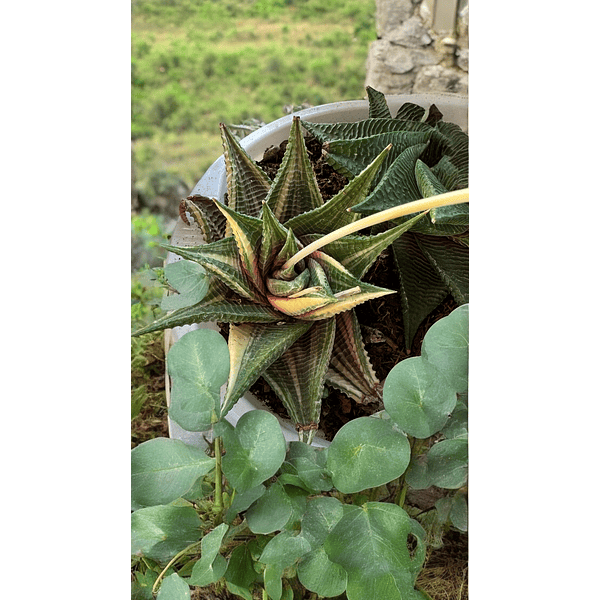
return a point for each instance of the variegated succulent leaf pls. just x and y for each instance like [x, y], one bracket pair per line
[206, 215]
[298, 376]
[247, 184]
[295, 326]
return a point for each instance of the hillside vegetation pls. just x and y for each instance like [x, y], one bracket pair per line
[196, 63]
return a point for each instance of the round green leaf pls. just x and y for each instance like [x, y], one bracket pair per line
[284, 550]
[164, 469]
[240, 570]
[271, 511]
[417, 397]
[446, 346]
[160, 532]
[255, 449]
[321, 516]
[174, 587]
[367, 453]
[447, 463]
[198, 365]
[457, 425]
[212, 565]
[319, 574]
[189, 279]
[371, 543]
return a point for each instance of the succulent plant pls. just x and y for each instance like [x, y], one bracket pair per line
[291, 317]
[429, 157]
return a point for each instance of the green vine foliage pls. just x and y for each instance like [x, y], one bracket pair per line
[294, 517]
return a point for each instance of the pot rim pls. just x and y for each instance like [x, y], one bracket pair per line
[213, 184]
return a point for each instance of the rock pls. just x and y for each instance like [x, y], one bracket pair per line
[411, 34]
[397, 79]
[462, 58]
[436, 78]
[390, 13]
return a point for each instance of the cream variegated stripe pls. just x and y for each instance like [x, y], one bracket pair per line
[221, 259]
[252, 349]
[342, 305]
[247, 232]
[296, 307]
[298, 376]
[350, 369]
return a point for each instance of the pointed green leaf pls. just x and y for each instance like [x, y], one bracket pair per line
[429, 184]
[357, 253]
[209, 568]
[350, 157]
[349, 291]
[398, 185]
[366, 453]
[410, 111]
[255, 450]
[418, 398]
[247, 184]
[247, 232]
[164, 469]
[371, 544]
[189, 279]
[222, 259]
[299, 374]
[378, 108]
[295, 188]
[174, 587]
[198, 365]
[160, 532]
[421, 287]
[451, 261]
[326, 132]
[334, 214]
[281, 287]
[274, 237]
[350, 369]
[216, 306]
[253, 348]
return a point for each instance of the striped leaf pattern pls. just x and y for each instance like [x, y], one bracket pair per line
[296, 326]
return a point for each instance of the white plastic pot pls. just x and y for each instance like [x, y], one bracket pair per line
[213, 184]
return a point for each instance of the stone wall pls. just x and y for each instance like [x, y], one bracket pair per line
[409, 56]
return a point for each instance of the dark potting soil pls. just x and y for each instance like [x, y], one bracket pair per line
[380, 319]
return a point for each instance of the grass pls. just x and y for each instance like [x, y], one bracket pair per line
[196, 64]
